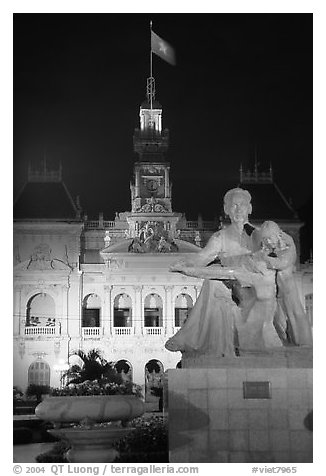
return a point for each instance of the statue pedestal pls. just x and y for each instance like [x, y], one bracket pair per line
[253, 408]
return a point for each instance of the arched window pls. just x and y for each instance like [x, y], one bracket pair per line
[122, 312]
[39, 373]
[40, 311]
[91, 311]
[308, 301]
[153, 311]
[183, 305]
[124, 368]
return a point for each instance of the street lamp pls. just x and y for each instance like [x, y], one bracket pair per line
[61, 367]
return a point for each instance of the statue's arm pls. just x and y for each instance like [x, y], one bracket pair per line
[207, 272]
[203, 257]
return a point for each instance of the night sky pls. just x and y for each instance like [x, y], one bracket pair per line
[242, 83]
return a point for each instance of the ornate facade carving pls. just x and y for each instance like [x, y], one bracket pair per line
[152, 237]
[41, 260]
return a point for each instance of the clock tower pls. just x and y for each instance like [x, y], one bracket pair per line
[151, 186]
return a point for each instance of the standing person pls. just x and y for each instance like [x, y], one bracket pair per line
[210, 327]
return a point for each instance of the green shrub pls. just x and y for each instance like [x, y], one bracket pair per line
[148, 443]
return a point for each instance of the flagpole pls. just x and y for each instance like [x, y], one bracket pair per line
[151, 65]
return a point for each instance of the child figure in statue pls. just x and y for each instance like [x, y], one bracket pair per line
[279, 253]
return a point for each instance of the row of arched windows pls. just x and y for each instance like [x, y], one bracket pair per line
[40, 310]
[123, 314]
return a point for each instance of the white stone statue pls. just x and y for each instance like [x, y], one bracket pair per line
[238, 300]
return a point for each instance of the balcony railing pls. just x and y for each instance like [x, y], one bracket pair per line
[38, 330]
[91, 332]
[123, 331]
[154, 331]
[94, 224]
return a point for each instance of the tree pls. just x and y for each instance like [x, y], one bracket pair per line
[93, 367]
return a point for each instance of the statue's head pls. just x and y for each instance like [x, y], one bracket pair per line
[270, 233]
[237, 205]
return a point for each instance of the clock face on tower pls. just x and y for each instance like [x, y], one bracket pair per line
[152, 185]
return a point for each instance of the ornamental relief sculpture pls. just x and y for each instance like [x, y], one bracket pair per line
[41, 259]
[152, 238]
[152, 206]
[152, 169]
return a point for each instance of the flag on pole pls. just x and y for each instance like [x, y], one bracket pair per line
[162, 49]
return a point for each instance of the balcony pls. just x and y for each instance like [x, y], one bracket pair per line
[154, 331]
[95, 224]
[91, 332]
[42, 331]
[123, 331]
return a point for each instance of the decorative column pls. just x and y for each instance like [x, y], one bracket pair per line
[64, 309]
[107, 321]
[137, 314]
[137, 181]
[75, 295]
[18, 315]
[166, 182]
[169, 311]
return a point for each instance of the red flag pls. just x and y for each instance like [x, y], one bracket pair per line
[162, 49]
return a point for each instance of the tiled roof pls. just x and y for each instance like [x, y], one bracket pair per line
[268, 202]
[45, 200]
[205, 197]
